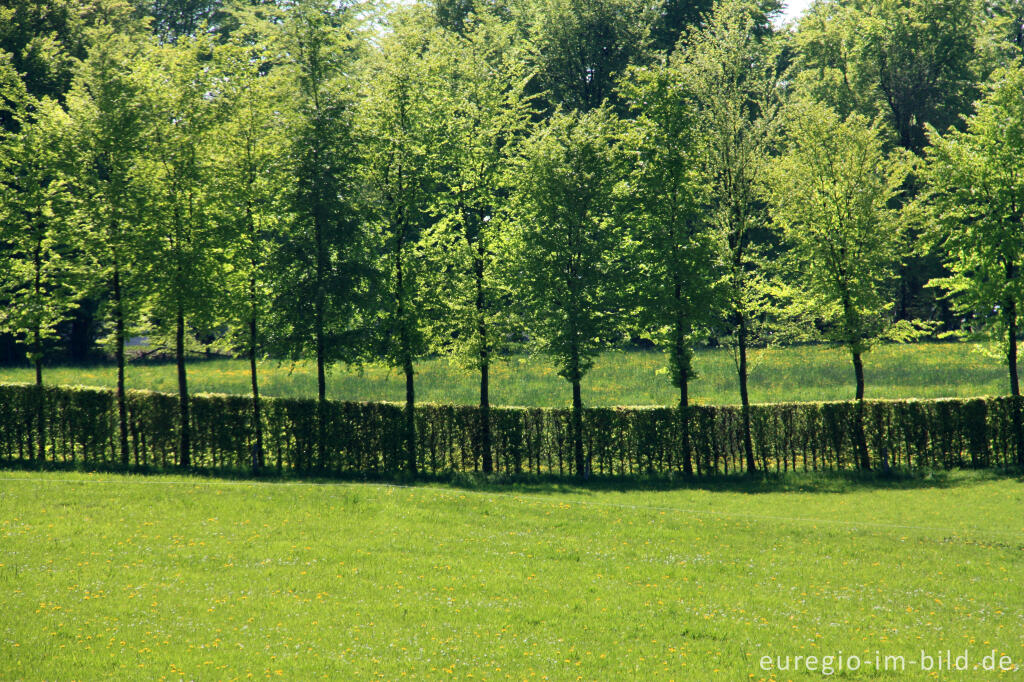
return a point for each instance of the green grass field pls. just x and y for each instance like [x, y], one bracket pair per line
[618, 378]
[180, 578]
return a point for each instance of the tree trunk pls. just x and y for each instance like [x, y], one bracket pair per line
[684, 421]
[257, 453]
[184, 437]
[485, 416]
[860, 440]
[410, 417]
[748, 445]
[485, 367]
[321, 398]
[577, 428]
[1011, 360]
[122, 407]
[37, 346]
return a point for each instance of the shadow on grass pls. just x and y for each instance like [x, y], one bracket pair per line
[759, 483]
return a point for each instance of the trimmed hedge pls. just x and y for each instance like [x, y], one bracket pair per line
[80, 425]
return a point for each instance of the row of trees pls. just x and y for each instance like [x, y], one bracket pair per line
[325, 182]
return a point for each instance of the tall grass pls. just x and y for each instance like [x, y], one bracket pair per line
[804, 373]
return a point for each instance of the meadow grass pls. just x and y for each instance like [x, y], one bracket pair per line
[618, 378]
[171, 577]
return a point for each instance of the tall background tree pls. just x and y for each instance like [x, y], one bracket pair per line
[572, 253]
[580, 47]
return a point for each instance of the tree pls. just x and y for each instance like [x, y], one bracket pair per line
[572, 251]
[399, 131]
[676, 18]
[320, 266]
[975, 196]
[249, 186]
[677, 274]
[580, 47]
[1001, 40]
[484, 112]
[833, 194]
[181, 246]
[108, 123]
[734, 65]
[911, 61]
[47, 39]
[41, 280]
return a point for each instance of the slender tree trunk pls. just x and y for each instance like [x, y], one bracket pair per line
[1011, 360]
[37, 345]
[37, 357]
[37, 353]
[257, 453]
[748, 445]
[485, 416]
[683, 366]
[184, 437]
[684, 420]
[577, 428]
[485, 367]
[122, 407]
[321, 396]
[861, 443]
[410, 416]
[321, 351]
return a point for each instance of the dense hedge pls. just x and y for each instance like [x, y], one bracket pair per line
[80, 425]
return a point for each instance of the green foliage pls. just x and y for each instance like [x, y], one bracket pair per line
[249, 156]
[483, 114]
[973, 203]
[733, 69]
[43, 276]
[570, 244]
[107, 108]
[831, 197]
[676, 292]
[912, 61]
[47, 39]
[581, 47]
[319, 263]
[400, 132]
[180, 246]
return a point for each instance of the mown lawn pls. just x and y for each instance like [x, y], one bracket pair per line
[181, 578]
[618, 378]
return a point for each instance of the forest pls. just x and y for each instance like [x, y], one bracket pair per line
[347, 182]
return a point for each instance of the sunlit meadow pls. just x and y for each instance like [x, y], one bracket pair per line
[618, 378]
[179, 578]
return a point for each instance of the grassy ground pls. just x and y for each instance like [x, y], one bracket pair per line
[154, 578]
[618, 378]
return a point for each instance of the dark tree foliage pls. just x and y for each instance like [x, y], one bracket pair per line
[580, 47]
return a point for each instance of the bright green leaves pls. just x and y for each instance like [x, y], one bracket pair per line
[833, 194]
[975, 204]
[572, 266]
